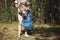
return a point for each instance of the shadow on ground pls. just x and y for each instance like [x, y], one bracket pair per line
[47, 33]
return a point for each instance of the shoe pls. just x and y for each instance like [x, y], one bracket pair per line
[26, 35]
[18, 36]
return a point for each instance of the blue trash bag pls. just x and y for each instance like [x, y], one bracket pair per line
[26, 23]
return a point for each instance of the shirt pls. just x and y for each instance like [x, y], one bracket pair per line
[21, 4]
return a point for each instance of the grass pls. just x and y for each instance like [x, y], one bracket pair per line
[8, 32]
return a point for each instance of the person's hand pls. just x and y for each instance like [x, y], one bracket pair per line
[24, 16]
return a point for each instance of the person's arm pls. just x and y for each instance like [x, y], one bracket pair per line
[16, 4]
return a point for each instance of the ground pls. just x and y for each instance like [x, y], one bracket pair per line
[8, 32]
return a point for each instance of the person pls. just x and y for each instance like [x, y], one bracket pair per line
[21, 6]
[20, 9]
[26, 22]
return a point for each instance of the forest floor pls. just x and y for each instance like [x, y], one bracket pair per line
[40, 32]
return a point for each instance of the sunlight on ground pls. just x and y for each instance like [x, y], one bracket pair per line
[8, 31]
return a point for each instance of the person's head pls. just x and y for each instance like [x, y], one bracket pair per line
[26, 4]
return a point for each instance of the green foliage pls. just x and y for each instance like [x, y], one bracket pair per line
[8, 11]
[43, 11]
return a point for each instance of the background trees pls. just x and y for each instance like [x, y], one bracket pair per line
[43, 11]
